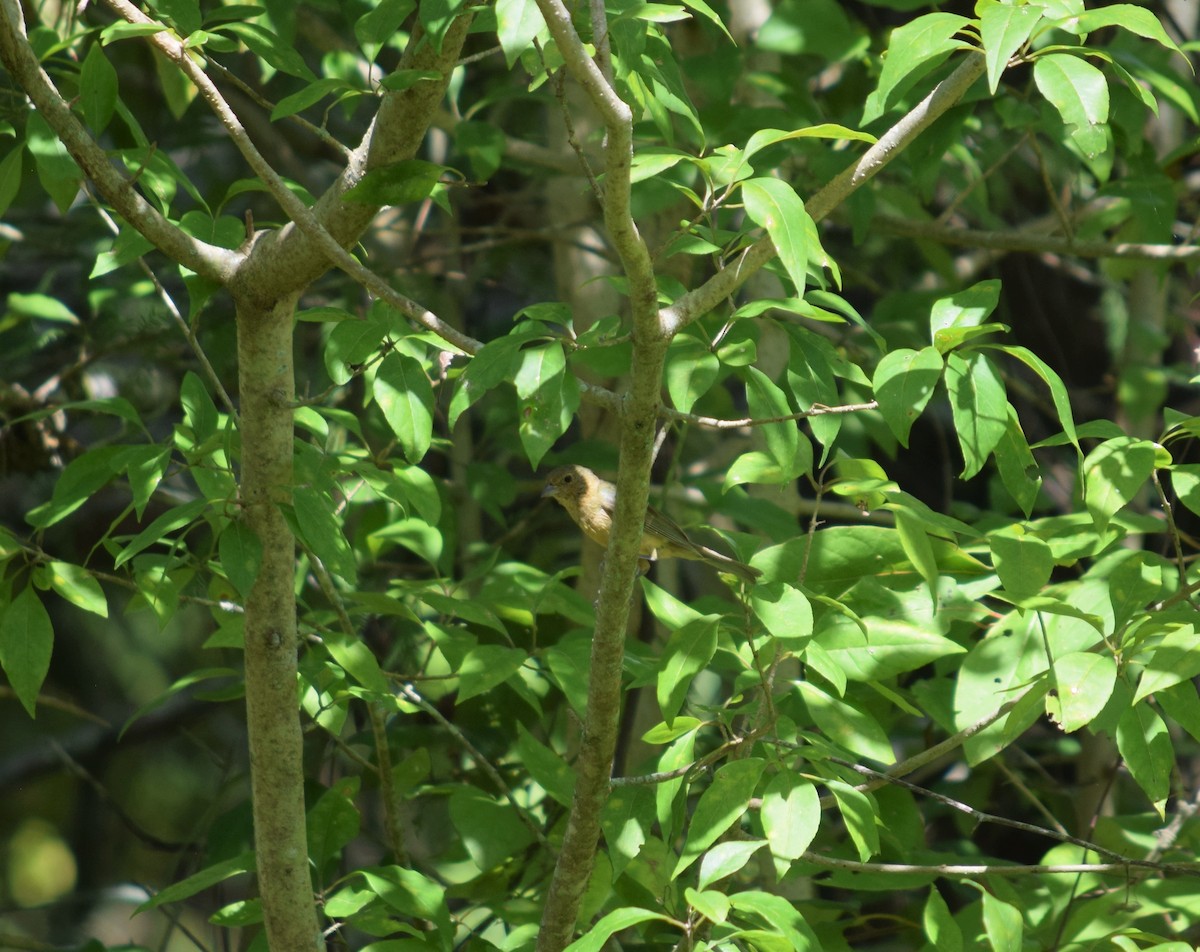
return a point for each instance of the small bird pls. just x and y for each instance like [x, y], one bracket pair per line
[591, 501]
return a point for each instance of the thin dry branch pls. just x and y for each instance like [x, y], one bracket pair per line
[970, 872]
[1033, 242]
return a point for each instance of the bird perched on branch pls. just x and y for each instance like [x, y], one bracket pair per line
[591, 501]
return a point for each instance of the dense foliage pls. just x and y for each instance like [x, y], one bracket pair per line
[304, 300]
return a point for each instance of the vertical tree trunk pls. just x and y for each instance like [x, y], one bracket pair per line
[267, 384]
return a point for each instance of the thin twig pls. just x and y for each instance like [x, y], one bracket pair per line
[409, 692]
[188, 331]
[981, 870]
[817, 409]
[1034, 242]
[980, 816]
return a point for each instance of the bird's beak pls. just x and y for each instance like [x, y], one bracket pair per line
[548, 490]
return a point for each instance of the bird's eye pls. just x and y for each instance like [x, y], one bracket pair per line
[568, 478]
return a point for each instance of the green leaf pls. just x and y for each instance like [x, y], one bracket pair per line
[518, 23]
[404, 79]
[979, 406]
[1079, 92]
[1185, 481]
[1173, 660]
[437, 15]
[10, 176]
[810, 377]
[627, 822]
[1145, 745]
[784, 612]
[549, 398]
[782, 916]
[895, 645]
[725, 859]
[1023, 561]
[941, 930]
[904, 381]
[597, 937]
[97, 89]
[692, 368]
[1004, 28]
[352, 343]
[651, 162]
[467, 609]
[754, 467]
[400, 183]
[199, 411]
[1126, 16]
[241, 555]
[192, 678]
[310, 95]
[376, 27]
[160, 529]
[859, 813]
[320, 531]
[913, 50]
[719, 807]
[145, 467]
[79, 481]
[333, 821]
[42, 307]
[708, 13]
[405, 396]
[485, 667]
[1058, 390]
[489, 829]
[688, 652]
[791, 814]
[1083, 683]
[184, 14]
[266, 44]
[1113, 474]
[768, 137]
[710, 904]
[1003, 923]
[668, 609]
[1018, 469]
[483, 145]
[198, 882]
[767, 401]
[123, 30]
[412, 894]
[76, 585]
[357, 660]
[918, 547]
[548, 768]
[966, 308]
[846, 724]
[26, 644]
[1181, 703]
[56, 170]
[774, 205]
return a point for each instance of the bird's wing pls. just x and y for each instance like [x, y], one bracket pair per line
[665, 528]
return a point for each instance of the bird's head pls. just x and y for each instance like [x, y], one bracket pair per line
[569, 484]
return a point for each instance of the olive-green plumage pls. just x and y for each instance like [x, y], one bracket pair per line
[591, 501]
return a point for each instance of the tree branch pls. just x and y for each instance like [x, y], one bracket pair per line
[639, 410]
[972, 871]
[1034, 243]
[701, 300]
[18, 57]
